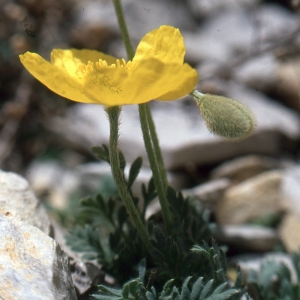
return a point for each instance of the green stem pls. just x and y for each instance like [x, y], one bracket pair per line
[156, 163]
[113, 116]
[123, 28]
[149, 132]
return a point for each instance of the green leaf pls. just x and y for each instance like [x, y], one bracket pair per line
[134, 171]
[142, 270]
[185, 292]
[206, 290]
[122, 160]
[102, 152]
[196, 290]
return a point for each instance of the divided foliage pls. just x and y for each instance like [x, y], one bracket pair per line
[274, 281]
[114, 242]
[185, 266]
[190, 290]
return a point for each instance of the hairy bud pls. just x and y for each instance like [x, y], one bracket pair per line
[225, 117]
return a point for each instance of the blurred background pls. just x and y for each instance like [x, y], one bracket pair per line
[245, 49]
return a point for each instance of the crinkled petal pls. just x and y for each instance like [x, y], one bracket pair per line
[53, 77]
[60, 56]
[107, 85]
[162, 81]
[164, 43]
[159, 64]
[157, 72]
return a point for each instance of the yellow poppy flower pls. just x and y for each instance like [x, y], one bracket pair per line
[157, 71]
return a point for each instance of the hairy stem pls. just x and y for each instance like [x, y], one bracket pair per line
[113, 115]
[149, 132]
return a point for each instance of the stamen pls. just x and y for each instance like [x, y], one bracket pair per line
[102, 63]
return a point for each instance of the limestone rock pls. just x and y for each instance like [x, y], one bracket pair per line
[204, 8]
[183, 136]
[247, 237]
[256, 197]
[53, 181]
[289, 232]
[85, 274]
[287, 82]
[18, 202]
[209, 193]
[258, 73]
[291, 190]
[253, 262]
[32, 265]
[242, 168]
[92, 173]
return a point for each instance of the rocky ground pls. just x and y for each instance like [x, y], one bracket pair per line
[247, 49]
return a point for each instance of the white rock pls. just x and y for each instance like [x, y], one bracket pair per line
[291, 190]
[209, 193]
[258, 72]
[32, 265]
[274, 21]
[92, 173]
[205, 49]
[256, 197]
[85, 274]
[289, 232]
[137, 15]
[253, 262]
[183, 136]
[247, 237]
[245, 167]
[204, 8]
[17, 202]
[55, 181]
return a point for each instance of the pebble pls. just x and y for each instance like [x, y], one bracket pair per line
[247, 237]
[253, 198]
[242, 168]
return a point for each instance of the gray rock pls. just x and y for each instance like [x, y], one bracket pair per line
[17, 202]
[85, 274]
[289, 232]
[53, 181]
[205, 8]
[101, 15]
[247, 237]
[33, 267]
[253, 262]
[287, 80]
[242, 168]
[291, 190]
[209, 193]
[258, 72]
[274, 21]
[183, 135]
[91, 173]
[207, 50]
[255, 197]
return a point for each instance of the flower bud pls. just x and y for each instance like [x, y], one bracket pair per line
[225, 117]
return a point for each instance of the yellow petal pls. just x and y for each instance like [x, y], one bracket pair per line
[108, 85]
[163, 50]
[58, 56]
[156, 72]
[164, 43]
[53, 77]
